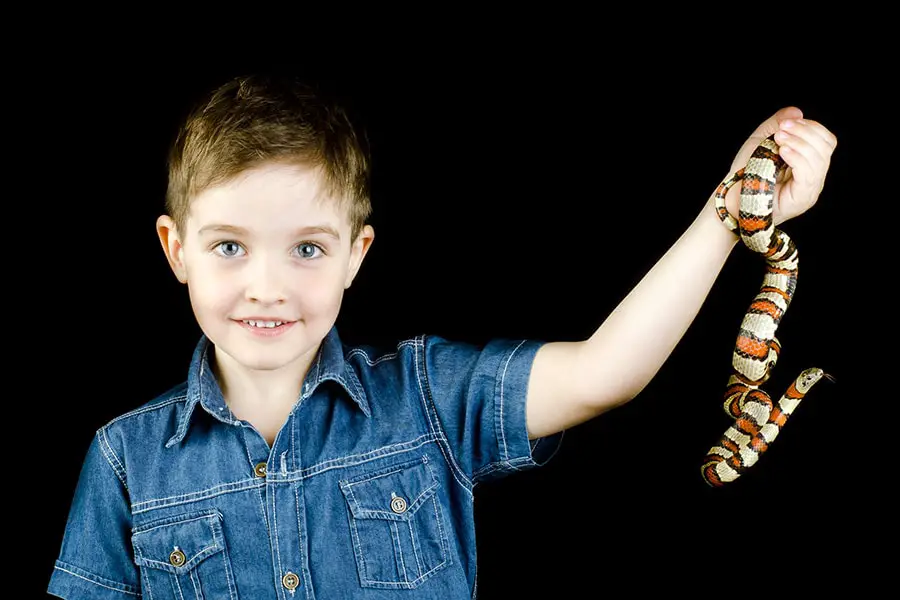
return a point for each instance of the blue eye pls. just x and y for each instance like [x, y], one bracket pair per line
[307, 250]
[228, 249]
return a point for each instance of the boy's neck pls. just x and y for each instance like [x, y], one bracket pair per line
[253, 392]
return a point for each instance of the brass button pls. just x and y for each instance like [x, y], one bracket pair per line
[260, 469]
[290, 581]
[398, 504]
[177, 557]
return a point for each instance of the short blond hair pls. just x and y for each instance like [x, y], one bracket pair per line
[257, 119]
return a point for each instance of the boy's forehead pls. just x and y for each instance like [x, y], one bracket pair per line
[271, 196]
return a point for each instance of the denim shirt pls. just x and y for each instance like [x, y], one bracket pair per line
[366, 492]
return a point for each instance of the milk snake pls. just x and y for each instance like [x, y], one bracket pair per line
[757, 420]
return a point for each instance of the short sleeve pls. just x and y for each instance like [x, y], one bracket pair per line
[479, 395]
[96, 560]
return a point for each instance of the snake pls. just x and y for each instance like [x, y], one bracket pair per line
[756, 419]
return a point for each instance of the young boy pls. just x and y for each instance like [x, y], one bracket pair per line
[288, 465]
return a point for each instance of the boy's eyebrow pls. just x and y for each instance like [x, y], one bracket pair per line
[326, 229]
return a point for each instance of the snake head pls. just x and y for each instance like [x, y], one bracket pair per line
[809, 377]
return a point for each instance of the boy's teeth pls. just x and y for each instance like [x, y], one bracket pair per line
[268, 324]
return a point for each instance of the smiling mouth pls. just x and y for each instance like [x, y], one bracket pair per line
[264, 324]
[265, 328]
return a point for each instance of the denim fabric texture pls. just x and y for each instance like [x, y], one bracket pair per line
[366, 492]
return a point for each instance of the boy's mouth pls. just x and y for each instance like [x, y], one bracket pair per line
[265, 327]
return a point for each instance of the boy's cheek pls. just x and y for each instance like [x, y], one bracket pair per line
[210, 293]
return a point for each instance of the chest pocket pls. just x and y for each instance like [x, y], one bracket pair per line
[184, 557]
[397, 529]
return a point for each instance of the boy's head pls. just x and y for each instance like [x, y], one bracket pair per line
[253, 120]
[267, 204]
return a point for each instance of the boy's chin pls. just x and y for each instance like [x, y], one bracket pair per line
[260, 364]
[245, 354]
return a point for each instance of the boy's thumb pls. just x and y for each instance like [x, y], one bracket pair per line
[773, 123]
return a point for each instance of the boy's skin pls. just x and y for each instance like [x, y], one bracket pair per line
[274, 271]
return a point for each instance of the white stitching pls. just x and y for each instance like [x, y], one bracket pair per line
[72, 573]
[146, 579]
[226, 564]
[148, 408]
[364, 457]
[260, 490]
[217, 490]
[357, 546]
[303, 540]
[176, 586]
[278, 560]
[415, 542]
[195, 581]
[250, 483]
[168, 523]
[368, 360]
[105, 447]
[395, 534]
[502, 378]
[448, 456]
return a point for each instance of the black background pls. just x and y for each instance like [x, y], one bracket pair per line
[520, 190]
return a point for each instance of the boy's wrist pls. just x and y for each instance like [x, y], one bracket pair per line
[710, 223]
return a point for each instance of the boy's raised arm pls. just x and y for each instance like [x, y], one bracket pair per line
[572, 382]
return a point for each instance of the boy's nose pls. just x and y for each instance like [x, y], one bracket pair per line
[264, 284]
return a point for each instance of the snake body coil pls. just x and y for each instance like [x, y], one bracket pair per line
[757, 420]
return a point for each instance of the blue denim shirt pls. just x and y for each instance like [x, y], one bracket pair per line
[366, 492]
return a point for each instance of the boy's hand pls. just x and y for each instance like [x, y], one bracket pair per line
[806, 146]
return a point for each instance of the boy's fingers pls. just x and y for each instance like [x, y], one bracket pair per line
[798, 146]
[819, 130]
[806, 139]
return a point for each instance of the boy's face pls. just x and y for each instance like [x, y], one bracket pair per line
[265, 247]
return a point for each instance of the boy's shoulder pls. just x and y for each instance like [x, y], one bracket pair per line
[166, 400]
[154, 417]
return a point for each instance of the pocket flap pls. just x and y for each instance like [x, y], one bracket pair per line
[178, 544]
[393, 493]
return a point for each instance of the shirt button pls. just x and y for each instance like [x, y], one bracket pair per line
[177, 557]
[398, 504]
[260, 469]
[290, 581]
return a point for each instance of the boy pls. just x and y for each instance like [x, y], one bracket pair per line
[288, 464]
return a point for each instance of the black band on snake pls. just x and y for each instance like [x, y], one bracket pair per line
[757, 420]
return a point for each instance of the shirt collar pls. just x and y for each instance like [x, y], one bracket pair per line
[203, 389]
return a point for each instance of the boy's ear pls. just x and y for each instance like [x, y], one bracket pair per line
[171, 243]
[358, 252]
